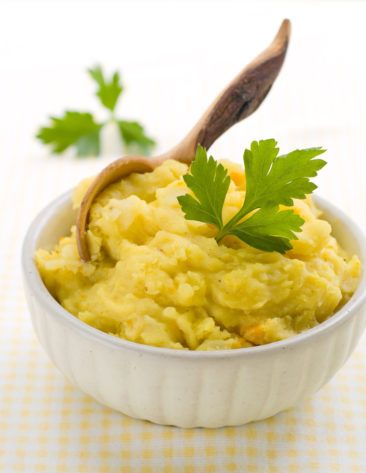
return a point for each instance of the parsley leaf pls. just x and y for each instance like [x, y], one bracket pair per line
[81, 130]
[134, 137]
[271, 181]
[108, 91]
[72, 129]
[269, 229]
[209, 182]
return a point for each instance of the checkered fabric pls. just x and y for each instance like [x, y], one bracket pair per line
[47, 425]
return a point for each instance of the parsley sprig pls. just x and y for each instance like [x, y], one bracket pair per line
[271, 181]
[82, 131]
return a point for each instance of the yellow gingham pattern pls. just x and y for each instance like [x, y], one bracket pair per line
[46, 425]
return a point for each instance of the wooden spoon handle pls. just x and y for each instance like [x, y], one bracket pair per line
[240, 99]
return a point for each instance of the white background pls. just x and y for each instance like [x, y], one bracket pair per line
[174, 57]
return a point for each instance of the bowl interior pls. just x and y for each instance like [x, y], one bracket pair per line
[55, 223]
[57, 218]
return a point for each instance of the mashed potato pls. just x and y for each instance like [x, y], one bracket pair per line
[156, 278]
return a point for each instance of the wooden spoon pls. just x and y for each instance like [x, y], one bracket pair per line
[239, 100]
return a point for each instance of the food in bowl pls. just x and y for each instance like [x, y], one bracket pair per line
[159, 277]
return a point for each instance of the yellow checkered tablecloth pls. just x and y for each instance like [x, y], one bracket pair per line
[47, 425]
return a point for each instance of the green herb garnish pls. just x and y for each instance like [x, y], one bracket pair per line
[82, 131]
[271, 181]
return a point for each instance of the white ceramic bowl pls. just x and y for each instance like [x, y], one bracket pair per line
[189, 388]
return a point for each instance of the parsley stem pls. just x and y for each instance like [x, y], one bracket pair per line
[220, 235]
[225, 230]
